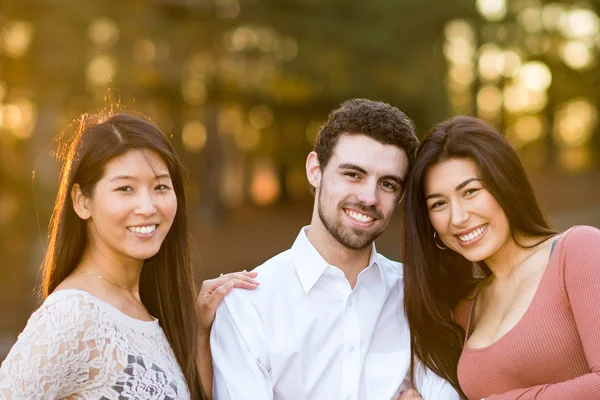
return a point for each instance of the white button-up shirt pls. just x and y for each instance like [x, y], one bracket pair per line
[305, 334]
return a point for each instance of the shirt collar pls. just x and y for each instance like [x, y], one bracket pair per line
[310, 265]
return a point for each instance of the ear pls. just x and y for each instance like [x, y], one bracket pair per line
[81, 204]
[313, 170]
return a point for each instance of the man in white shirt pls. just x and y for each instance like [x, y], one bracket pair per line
[327, 320]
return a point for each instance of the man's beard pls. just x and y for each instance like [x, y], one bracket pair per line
[347, 237]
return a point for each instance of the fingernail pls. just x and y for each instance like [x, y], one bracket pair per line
[229, 284]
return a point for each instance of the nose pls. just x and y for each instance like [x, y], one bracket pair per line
[145, 204]
[367, 193]
[460, 215]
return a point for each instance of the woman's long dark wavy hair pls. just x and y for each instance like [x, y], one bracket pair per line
[436, 280]
[167, 287]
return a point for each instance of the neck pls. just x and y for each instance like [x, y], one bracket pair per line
[122, 273]
[509, 257]
[350, 261]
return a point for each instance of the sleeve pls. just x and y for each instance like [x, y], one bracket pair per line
[239, 350]
[52, 357]
[431, 386]
[580, 263]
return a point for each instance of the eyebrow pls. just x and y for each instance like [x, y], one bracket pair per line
[355, 167]
[125, 177]
[456, 189]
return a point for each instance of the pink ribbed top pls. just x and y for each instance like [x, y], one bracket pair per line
[553, 352]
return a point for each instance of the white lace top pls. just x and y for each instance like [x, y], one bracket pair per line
[76, 346]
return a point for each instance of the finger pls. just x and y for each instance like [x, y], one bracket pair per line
[244, 284]
[212, 302]
[241, 277]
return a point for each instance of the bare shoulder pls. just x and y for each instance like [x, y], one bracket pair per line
[462, 311]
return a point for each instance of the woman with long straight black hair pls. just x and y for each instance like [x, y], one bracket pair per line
[119, 317]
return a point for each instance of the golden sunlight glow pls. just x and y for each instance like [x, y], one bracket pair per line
[492, 10]
[101, 70]
[193, 91]
[264, 187]
[260, 117]
[518, 99]
[576, 54]
[489, 100]
[459, 28]
[242, 38]
[528, 128]
[575, 122]
[230, 121]
[579, 23]
[233, 182]
[267, 38]
[312, 130]
[228, 9]
[489, 60]
[534, 76]
[103, 31]
[552, 15]
[575, 159]
[3, 90]
[463, 75]
[286, 49]
[193, 136]
[511, 64]
[531, 19]
[19, 116]
[17, 37]
[144, 51]
[459, 50]
[248, 138]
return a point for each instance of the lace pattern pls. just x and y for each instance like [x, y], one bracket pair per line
[78, 347]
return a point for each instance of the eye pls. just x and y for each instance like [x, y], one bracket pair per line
[162, 187]
[471, 191]
[389, 186]
[124, 189]
[437, 204]
[352, 175]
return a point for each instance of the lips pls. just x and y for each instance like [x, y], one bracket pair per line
[143, 229]
[473, 234]
[358, 216]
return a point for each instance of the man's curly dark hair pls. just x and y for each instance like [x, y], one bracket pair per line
[379, 121]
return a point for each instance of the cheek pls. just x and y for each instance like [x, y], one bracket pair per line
[438, 221]
[117, 210]
[168, 205]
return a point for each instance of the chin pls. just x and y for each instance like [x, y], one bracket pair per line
[476, 256]
[142, 255]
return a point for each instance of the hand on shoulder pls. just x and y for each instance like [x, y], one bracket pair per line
[214, 290]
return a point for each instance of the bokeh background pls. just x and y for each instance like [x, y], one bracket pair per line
[241, 87]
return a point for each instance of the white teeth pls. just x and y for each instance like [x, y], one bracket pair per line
[472, 235]
[142, 229]
[358, 216]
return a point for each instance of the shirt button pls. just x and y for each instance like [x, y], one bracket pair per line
[349, 397]
[351, 348]
[350, 303]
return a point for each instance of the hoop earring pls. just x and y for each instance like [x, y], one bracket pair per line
[435, 236]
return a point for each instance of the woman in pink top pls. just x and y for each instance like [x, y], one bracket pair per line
[481, 258]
